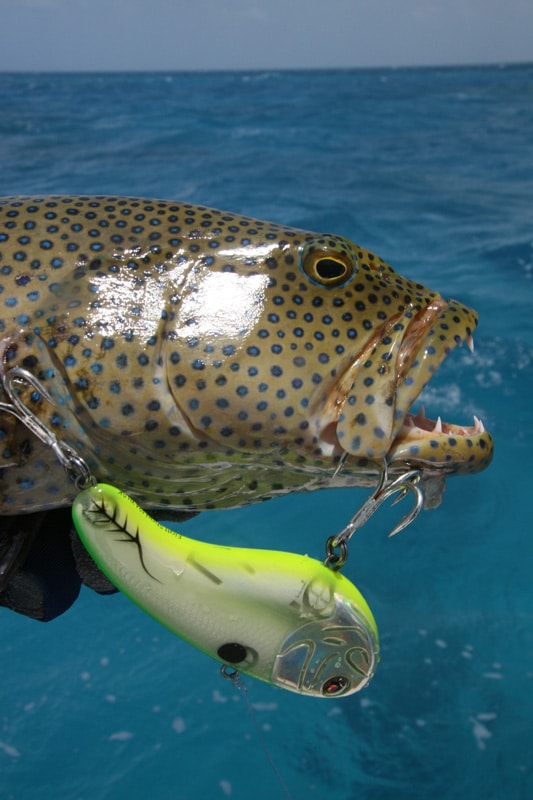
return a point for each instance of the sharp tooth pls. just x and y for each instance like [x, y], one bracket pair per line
[478, 425]
[438, 426]
[470, 342]
[420, 418]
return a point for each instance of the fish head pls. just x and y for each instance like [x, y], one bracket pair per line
[312, 346]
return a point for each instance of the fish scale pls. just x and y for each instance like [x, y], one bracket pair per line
[199, 358]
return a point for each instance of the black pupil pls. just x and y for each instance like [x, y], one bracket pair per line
[335, 685]
[328, 268]
[232, 652]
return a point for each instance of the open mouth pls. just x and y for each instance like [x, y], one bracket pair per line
[375, 395]
[418, 426]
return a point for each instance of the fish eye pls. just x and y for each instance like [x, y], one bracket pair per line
[327, 270]
[335, 686]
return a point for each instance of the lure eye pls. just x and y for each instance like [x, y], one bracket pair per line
[334, 686]
[327, 270]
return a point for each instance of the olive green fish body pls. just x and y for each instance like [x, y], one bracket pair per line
[281, 617]
[201, 359]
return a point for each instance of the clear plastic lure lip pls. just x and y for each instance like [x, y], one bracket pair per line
[332, 657]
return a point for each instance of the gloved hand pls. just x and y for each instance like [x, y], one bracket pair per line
[43, 564]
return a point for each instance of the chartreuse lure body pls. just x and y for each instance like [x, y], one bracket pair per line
[280, 617]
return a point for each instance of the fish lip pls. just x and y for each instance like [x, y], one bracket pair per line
[432, 334]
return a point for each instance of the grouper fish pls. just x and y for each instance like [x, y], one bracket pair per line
[199, 359]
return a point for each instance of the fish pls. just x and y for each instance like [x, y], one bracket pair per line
[201, 359]
[283, 618]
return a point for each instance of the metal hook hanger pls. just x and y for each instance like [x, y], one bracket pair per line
[336, 546]
[19, 410]
[75, 467]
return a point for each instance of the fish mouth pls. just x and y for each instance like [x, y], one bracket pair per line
[374, 396]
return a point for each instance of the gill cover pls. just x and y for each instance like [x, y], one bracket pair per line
[280, 617]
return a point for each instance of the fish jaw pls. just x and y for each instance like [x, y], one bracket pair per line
[378, 390]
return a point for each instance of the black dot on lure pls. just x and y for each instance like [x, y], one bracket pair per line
[232, 652]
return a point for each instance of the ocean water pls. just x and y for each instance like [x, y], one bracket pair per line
[432, 169]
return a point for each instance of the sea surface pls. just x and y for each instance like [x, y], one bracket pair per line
[433, 170]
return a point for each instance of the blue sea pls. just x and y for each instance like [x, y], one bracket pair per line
[433, 170]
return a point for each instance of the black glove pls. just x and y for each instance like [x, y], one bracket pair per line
[43, 564]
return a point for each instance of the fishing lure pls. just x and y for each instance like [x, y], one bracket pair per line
[280, 617]
[283, 618]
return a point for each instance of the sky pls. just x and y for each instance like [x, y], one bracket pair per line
[261, 34]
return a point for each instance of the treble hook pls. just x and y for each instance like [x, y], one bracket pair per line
[407, 482]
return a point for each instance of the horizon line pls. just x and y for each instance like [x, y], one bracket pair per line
[499, 64]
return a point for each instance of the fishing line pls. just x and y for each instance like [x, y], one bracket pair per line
[235, 677]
